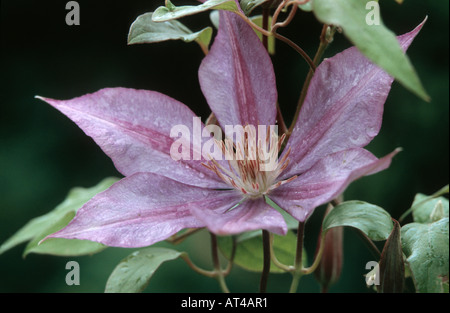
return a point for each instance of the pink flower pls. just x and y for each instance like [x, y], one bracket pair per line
[159, 196]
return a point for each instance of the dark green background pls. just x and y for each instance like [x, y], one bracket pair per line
[43, 154]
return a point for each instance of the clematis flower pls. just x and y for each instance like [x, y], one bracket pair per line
[158, 196]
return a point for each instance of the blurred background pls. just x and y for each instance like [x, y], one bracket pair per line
[43, 154]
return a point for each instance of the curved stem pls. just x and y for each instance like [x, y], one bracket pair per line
[185, 257]
[291, 15]
[277, 12]
[283, 5]
[250, 22]
[298, 49]
[266, 264]
[312, 268]
[280, 37]
[275, 261]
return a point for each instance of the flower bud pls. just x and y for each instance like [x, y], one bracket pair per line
[330, 267]
[392, 267]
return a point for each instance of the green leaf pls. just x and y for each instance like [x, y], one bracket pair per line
[41, 226]
[60, 246]
[249, 250]
[372, 220]
[134, 272]
[375, 41]
[144, 30]
[427, 253]
[163, 14]
[424, 205]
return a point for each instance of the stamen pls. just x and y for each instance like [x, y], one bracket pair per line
[247, 158]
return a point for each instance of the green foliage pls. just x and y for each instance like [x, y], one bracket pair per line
[42, 226]
[163, 14]
[426, 248]
[134, 272]
[372, 220]
[375, 41]
[249, 250]
[424, 206]
[60, 246]
[144, 30]
[425, 242]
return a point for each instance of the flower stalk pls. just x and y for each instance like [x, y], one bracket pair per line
[185, 257]
[298, 263]
[313, 267]
[266, 265]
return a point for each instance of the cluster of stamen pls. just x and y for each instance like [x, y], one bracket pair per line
[252, 168]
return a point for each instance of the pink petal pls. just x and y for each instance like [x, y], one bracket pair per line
[251, 214]
[142, 209]
[237, 76]
[343, 108]
[326, 180]
[133, 128]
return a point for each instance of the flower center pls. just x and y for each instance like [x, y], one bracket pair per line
[253, 165]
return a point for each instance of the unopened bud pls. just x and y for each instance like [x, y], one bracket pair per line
[330, 267]
[392, 267]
